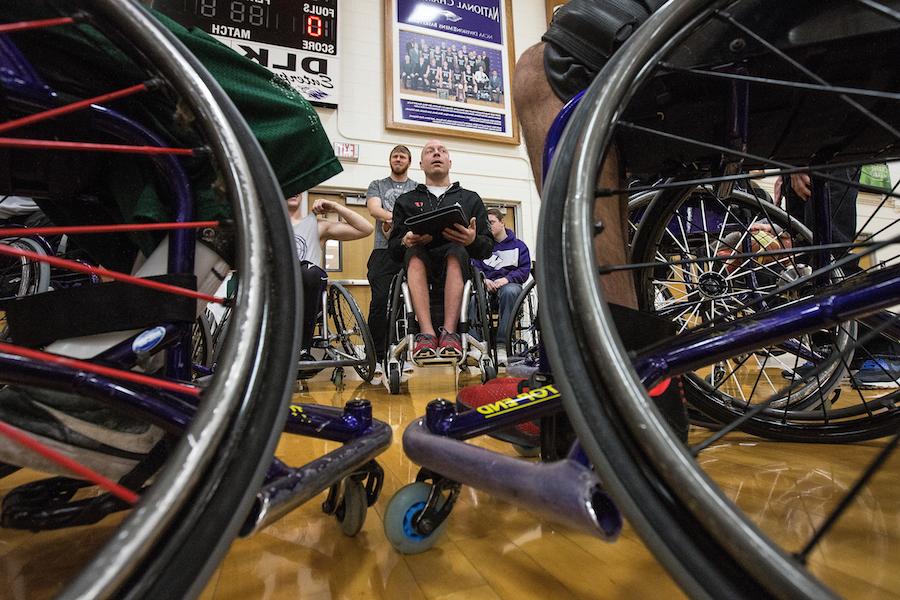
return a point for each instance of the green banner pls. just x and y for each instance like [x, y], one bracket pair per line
[876, 175]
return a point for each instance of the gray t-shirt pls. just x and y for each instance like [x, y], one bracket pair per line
[388, 190]
[306, 236]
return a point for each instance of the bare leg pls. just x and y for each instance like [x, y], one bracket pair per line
[417, 279]
[453, 291]
[537, 106]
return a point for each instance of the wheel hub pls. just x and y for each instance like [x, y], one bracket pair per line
[712, 285]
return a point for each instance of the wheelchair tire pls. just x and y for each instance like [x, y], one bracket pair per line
[202, 342]
[708, 543]
[352, 330]
[402, 508]
[351, 513]
[21, 277]
[394, 380]
[488, 371]
[184, 523]
[712, 398]
[396, 330]
[523, 340]
[483, 324]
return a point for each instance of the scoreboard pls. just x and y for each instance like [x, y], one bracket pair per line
[294, 38]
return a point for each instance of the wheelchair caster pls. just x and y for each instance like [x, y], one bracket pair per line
[488, 370]
[393, 378]
[351, 512]
[337, 378]
[400, 526]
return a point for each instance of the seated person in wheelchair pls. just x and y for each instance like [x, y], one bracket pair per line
[310, 235]
[505, 271]
[444, 258]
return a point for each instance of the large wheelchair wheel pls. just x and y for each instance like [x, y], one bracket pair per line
[482, 324]
[675, 231]
[665, 101]
[351, 330]
[20, 276]
[169, 545]
[522, 334]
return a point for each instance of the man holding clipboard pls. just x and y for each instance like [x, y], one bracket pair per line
[438, 227]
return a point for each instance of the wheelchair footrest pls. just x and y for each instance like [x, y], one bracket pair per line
[436, 361]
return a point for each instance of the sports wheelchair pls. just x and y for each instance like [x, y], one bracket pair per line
[402, 328]
[702, 93]
[342, 339]
[109, 365]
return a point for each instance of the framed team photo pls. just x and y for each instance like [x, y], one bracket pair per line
[448, 68]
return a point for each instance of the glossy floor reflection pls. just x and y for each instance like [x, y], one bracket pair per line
[493, 549]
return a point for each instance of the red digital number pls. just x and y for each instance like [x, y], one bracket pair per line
[314, 26]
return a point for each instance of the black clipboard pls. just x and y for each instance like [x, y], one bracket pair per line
[435, 221]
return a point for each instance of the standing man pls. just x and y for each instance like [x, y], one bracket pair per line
[442, 259]
[505, 271]
[380, 198]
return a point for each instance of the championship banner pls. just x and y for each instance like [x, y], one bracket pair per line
[448, 68]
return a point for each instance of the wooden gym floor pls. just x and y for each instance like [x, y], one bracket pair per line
[496, 550]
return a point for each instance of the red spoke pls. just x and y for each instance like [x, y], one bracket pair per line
[71, 108]
[23, 25]
[90, 147]
[72, 265]
[89, 367]
[76, 229]
[119, 491]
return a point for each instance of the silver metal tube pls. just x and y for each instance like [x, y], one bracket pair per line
[564, 491]
[283, 495]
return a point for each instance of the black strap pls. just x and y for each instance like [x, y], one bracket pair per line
[100, 308]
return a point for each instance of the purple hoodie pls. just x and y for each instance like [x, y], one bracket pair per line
[510, 259]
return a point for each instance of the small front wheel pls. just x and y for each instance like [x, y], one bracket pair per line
[394, 379]
[399, 526]
[351, 513]
[488, 370]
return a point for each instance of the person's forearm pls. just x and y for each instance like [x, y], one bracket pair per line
[377, 211]
[354, 219]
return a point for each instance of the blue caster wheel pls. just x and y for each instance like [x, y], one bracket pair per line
[403, 535]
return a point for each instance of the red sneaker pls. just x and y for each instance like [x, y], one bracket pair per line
[450, 345]
[425, 346]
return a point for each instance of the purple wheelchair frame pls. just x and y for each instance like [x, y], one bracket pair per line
[568, 491]
[285, 487]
